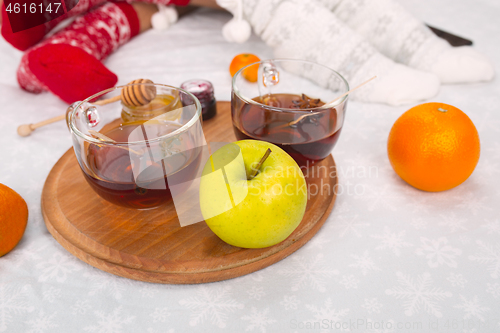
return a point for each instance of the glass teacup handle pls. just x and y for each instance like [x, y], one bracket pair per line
[87, 114]
[270, 74]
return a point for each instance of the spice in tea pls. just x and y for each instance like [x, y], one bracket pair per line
[307, 135]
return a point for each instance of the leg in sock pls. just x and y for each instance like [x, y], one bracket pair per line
[24, 39]
[310, 31]
[69, 62]
[397, 34]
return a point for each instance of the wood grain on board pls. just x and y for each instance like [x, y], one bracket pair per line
[150, 245]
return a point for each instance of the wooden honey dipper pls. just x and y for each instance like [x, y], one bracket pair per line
[131, 95]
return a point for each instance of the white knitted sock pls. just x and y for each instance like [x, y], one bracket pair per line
[397, 34]
[308, 30]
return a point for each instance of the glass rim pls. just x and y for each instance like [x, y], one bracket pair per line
[91, 139]
[274, 108]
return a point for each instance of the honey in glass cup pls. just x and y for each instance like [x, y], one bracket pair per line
[134, 162]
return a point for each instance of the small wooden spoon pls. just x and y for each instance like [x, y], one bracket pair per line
[136, 95]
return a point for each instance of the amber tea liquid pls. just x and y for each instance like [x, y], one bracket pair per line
[308, 141]
[112, 177]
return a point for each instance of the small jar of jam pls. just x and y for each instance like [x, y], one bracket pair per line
[204, 91]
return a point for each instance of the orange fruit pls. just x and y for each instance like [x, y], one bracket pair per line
[13, 218]
[433, 147]
[240, 61]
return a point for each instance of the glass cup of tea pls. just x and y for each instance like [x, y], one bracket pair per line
[290, 106]
[131, 159]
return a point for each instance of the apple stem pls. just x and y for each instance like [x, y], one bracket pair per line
[255, 169]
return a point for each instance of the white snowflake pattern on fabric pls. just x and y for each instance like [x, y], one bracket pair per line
[327, 312]
[51, 294]
[345, 240]
[372, 305]
[349, 281]
[453, 222]
[364, 263]
[151, 330]
[472, 203]
[113, 322]
[14, 166]
[356, 130]
[41, 323]
[382, 198]
[104, 282]
[13, 301]
[457, 280]
[392, 241]
[488, 122]
[258, 320]
[464, 239]
[149, 290]
[80, 307]
[493, 289]
[489, 255]
[290, 302]
[419, 293]
[495, 147]
[488, 169]
[493, 227]
[23, 255]
[256, 292]
[304, 271]
[258, 276]
[212, 303]
[160, 315]
[419, 223]
[34, 187]
[348, 225]
[318, 242]
[472, 308]
[342, 208]
[438, 252]
[58, 267]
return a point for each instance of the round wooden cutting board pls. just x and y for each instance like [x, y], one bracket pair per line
[150, 245]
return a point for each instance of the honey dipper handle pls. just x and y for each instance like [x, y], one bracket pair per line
[48, 121]
[135, 95]
[25, 130]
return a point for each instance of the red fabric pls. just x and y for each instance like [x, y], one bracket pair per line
[167, 2]
[180, 2]
[133, 19]
[68, 63]
[69, 72]
[23, 40]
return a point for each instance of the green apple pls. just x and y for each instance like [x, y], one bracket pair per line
[252, 211]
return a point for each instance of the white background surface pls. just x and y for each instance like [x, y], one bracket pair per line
[388, 253]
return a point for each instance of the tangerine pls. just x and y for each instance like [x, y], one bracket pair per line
[13, 219]
[242, 60]
[433, 147]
